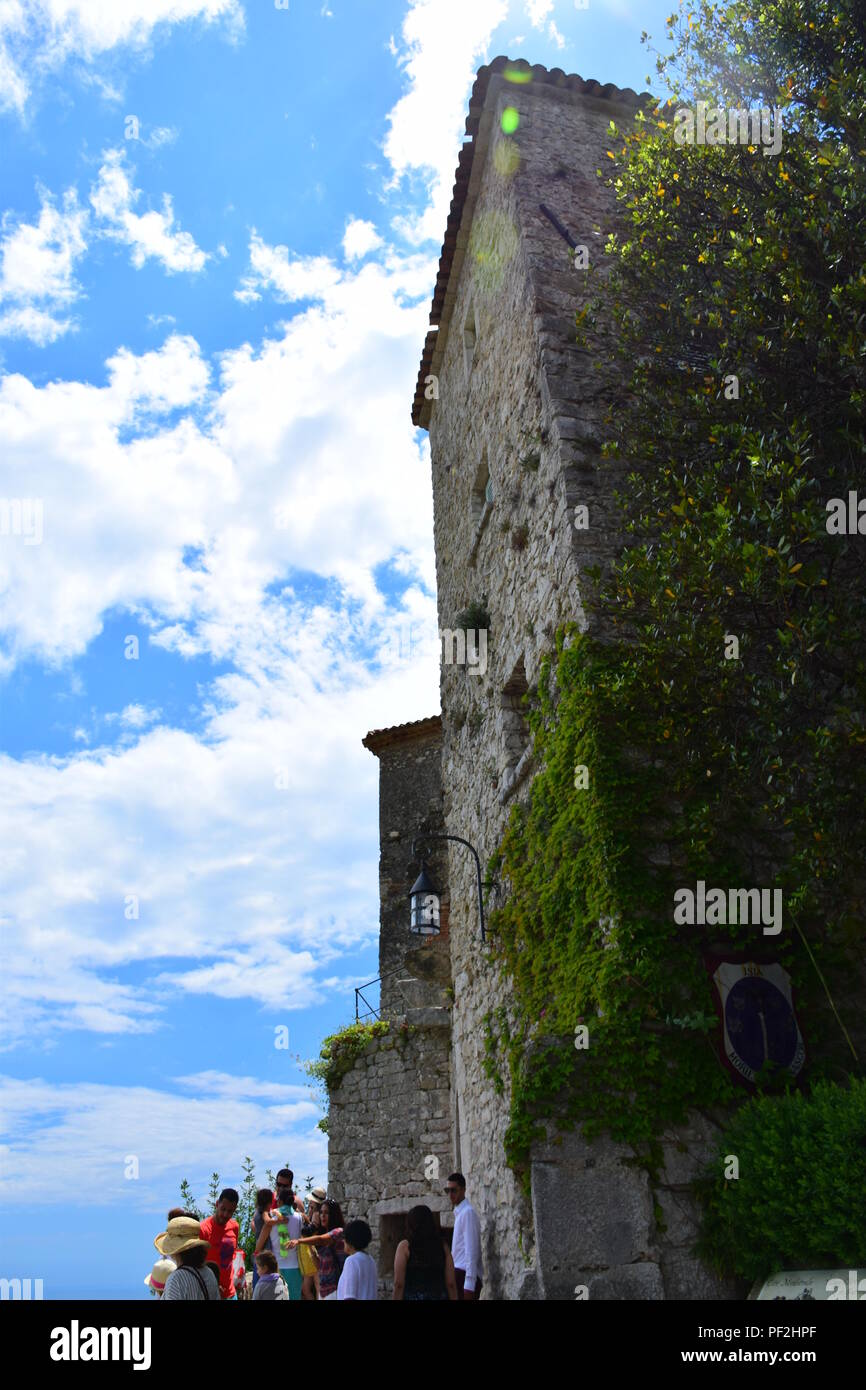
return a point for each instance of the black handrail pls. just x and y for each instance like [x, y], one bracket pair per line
[359, 991]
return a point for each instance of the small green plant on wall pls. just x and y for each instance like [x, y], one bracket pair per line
[474, 617]
[340, 1051]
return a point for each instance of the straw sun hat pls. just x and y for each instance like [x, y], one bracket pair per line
[156, 1278]
[183, 1233]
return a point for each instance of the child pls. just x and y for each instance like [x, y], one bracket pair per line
[308, 1260]
[280, 1229]
[358, 1280]
[269, 1285]
[264, 1198]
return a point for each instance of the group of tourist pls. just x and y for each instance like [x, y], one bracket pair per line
[305, 1251]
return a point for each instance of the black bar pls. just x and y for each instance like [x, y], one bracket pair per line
[552, 217]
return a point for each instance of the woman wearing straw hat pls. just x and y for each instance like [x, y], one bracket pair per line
[191, 1281]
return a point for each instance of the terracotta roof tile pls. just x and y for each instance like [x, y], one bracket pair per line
[552, 77]
[400, 733]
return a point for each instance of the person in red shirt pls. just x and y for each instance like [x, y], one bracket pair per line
[222, 1233]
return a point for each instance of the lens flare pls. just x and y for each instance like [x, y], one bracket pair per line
[493, 242]
[510, 120]
[506, 158]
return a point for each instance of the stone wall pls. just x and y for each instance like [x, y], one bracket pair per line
[518, 400]
[515, 431]
[414, 971]
[604, 1231]
[390, 1139]
[389, 1128]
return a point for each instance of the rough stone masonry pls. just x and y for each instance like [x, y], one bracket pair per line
[510, 405]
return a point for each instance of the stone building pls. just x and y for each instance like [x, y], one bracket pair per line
[390, 1131]
[510, 405]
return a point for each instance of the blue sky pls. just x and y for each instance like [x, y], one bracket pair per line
[221, 230]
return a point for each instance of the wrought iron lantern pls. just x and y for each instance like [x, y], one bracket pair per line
[424, 905]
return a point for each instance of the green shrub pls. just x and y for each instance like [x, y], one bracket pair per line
[798, 1200]
[340, 1051]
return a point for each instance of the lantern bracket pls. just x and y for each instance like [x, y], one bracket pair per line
[457, 839]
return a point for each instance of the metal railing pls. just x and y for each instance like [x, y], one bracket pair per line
[359, 995]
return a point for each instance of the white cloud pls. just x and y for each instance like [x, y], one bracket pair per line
[38, 36]
[149, 234]
[40, 326]
[160, 135]
[224, 1086]
[37, 259]
[37, 265]
[86, 1130]
[443, 41]
[537, 11]
[306, 457]
[250, 848]
[135, 717]
[273, 975]
[159, 381]
[359, 239]
[299, 456]
[289, 277]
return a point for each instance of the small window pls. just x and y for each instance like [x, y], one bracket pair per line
[482, 490]
[470, 337]
[514, 724]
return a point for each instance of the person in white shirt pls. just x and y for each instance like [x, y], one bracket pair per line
[358, 1280]
[466, 1241]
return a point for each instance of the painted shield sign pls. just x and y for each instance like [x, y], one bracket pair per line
[759, 1025]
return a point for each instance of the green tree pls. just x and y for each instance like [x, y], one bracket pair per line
[189, 1202]
[738, 287]
[726, 331]
[246, 1208]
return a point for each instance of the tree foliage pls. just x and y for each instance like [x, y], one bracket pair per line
[797, 1201]
[729, 263]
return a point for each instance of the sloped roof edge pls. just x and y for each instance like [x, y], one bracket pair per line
[543, 78]
[378, 739]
